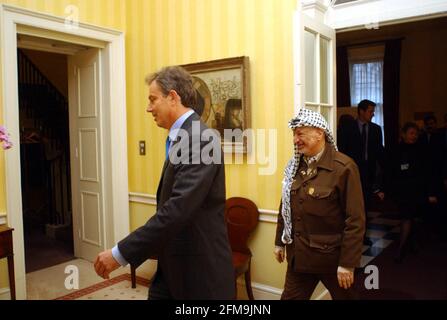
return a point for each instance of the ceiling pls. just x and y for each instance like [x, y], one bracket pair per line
[390, 31]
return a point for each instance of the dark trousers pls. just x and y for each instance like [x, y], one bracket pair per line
[158, 289]
[366, 184]
[300, 286]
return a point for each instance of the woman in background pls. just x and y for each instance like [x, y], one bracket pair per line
[409, 184]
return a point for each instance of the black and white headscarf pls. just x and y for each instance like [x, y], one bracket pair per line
[305, 118]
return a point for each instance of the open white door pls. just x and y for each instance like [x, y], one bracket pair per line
[314, 69]
[315, 61]
[86, 153]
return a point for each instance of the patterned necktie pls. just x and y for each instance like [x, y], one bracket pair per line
[364, 141]
[168, 145]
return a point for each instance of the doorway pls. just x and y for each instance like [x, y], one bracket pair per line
[401, 67]
[45, 158]
[112, 96]
[62, 151]
[421, 66]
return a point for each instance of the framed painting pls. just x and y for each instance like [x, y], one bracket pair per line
[223, 101]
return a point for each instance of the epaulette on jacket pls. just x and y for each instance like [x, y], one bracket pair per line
[342, 158]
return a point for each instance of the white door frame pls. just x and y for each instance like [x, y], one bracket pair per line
[116, 217]
[310, 15]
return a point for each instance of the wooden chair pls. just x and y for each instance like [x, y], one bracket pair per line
[242, 217]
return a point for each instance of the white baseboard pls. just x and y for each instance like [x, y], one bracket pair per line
[2, 218]
[260, 291]
[5, 294]
[265, 292]
[265, 215]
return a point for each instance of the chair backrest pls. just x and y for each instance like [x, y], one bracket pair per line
[242, 217]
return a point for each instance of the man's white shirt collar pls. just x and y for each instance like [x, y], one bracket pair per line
[173, 132]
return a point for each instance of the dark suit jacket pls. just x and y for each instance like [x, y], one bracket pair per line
[443, 138]
[350, 143]
[188, 232]
[435, 151]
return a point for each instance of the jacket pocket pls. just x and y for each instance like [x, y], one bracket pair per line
[321, 201]
[320, 192]
[325, 242]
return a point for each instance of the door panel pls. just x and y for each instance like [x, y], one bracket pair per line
[86, 153]
[91, 217]
[315, 72]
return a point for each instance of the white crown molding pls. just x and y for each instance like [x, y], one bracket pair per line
[315, 4]
[347, 4]
[53, 18]
[265, 215]
[372, 14]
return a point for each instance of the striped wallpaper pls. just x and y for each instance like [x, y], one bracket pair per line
[170, 32]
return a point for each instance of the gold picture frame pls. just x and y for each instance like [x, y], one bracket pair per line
[223, 99]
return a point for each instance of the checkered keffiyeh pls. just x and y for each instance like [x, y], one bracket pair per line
[305, 118]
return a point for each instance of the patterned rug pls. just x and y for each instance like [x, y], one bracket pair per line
[118, 288]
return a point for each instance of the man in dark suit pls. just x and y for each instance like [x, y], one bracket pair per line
[443, 135]
[188, 232]
[362, 141]
[433, 140]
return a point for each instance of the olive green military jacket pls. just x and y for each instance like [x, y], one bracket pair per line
[328, 217]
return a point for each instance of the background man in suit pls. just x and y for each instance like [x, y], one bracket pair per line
[362, 141]
[443, 134]
[433, 141]
[188, 232]
[321, 221]
[429, 136]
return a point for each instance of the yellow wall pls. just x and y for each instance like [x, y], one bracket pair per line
[169, 32]
[423, 69]
[4, 274]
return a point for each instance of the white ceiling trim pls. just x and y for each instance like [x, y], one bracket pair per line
[371, 14]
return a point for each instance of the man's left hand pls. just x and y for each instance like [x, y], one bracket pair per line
[105, 263]
[345, 277]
